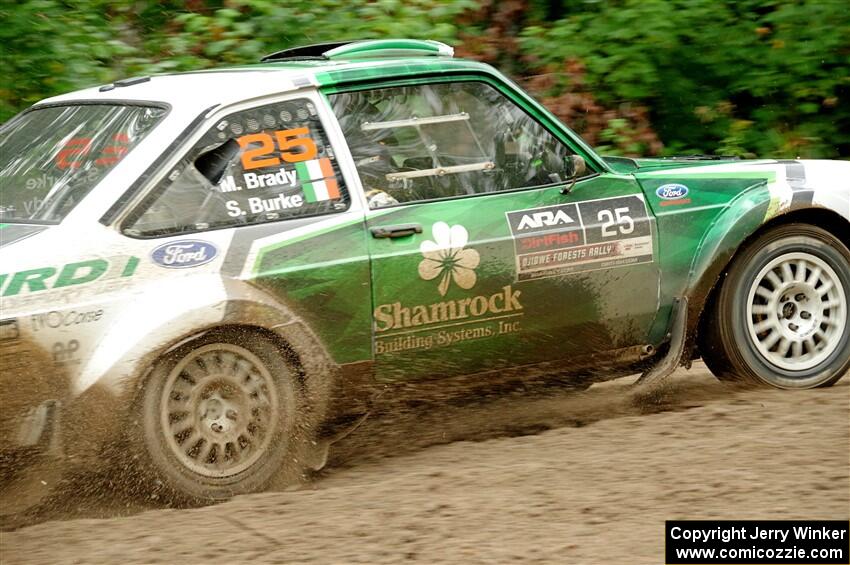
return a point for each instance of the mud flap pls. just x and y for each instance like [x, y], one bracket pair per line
[41, 426]
[653, 379]
[322, 446]
[28, 489]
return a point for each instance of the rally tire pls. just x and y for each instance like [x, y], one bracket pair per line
[780, 316]
[218, 417]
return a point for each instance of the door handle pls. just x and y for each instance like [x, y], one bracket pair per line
[399, 230]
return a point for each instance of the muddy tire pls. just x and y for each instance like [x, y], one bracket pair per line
[218, 417]
[780, 317]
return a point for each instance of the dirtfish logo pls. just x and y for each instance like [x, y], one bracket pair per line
[447, 260]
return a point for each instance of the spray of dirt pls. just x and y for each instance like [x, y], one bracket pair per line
[29, 473]
[521, 470]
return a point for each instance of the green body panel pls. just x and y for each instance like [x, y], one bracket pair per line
[561, 316]
[375, 299]
[324, 277]
[646, 165]
[355, 294]
[722, 211]
[627, 165]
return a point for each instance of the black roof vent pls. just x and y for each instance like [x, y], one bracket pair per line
[305, 52]
[363, 49]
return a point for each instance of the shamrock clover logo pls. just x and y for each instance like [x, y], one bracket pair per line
[446, 258]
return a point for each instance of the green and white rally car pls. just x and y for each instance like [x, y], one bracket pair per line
[208, 267]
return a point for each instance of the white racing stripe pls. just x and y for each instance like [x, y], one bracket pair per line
[831, 183]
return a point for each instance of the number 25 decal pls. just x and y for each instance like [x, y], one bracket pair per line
[624, 222]
[293, 144]
[81, 146]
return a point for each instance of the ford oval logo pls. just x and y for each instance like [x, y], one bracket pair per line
[672, 191]
[183, 254]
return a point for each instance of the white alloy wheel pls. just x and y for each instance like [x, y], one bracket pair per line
[220, 410]
[796, 311]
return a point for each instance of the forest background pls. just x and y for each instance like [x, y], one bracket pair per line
[748, 78]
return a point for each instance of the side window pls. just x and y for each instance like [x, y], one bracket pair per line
[260, 165]
[424, 142]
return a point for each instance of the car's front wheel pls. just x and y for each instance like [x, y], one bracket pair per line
[781, 315]
[218, 417]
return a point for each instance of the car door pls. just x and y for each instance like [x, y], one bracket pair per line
[280, 217]
[479, 259]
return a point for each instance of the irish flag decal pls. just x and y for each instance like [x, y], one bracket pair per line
[317, 180]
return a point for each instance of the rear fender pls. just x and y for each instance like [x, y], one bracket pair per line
[109, 383]
[170, 313]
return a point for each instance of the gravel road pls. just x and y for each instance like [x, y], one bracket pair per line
[527, 476]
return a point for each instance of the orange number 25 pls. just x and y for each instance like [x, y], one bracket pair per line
[293, 144]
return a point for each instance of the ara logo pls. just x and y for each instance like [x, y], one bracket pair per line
[541, 219]
[672, 191]
[184, 254]
[558, 218]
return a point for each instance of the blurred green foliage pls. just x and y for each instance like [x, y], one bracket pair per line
[740, 77]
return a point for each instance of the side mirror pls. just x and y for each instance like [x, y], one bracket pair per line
[215, 162]
[574, 167]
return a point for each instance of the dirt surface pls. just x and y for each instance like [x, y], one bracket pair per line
[528, 476]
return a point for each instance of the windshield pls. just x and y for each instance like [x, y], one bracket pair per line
[50, 158]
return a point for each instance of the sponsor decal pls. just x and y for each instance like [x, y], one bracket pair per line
[672, 191]
[184, 254]
[9, 330]
[70, 275]
[65, 352]
[56, 319]
[672, 194]
[543, 220]
[583, 236]
[397, 316]
[445, 259]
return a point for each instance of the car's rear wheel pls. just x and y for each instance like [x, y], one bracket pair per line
[219, 417]
[781, 315]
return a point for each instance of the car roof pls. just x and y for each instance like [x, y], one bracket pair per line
[281, 73]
